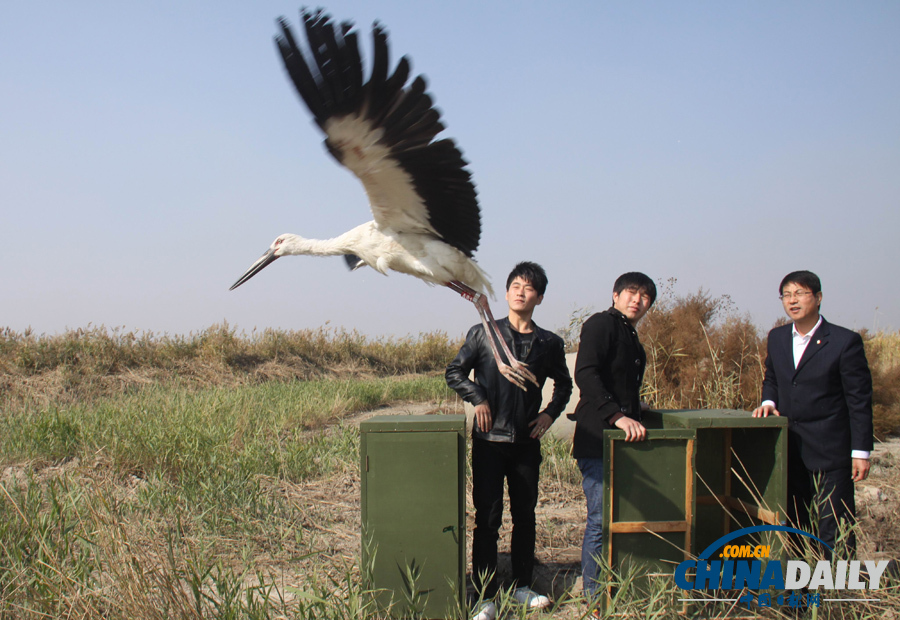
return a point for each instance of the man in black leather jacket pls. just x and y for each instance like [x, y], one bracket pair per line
[508, 427]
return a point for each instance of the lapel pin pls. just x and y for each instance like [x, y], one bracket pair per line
[818, 342]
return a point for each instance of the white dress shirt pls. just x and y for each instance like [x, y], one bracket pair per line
[801, 342]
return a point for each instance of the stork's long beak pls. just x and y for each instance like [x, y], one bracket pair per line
[255, 268]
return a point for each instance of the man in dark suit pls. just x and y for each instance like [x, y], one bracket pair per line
[817, 376]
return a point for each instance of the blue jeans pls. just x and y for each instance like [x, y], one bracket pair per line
[591, 547]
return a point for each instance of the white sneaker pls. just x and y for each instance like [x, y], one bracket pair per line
[486, 611]
[531, 599]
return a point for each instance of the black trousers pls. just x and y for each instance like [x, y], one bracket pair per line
[832, 494]
[519, 465]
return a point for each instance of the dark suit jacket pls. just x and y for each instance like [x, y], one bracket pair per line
[827, 399]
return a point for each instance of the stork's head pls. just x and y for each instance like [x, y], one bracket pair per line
[275, 250]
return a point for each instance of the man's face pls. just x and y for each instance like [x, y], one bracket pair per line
[521, 296]
[799, 302]
[633, 303]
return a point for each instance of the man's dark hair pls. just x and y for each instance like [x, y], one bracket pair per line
[530, 272]
[806, 279]
[635, 280]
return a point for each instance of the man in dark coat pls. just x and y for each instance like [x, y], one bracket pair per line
[507, 432]
[609, 371]
[817, 376]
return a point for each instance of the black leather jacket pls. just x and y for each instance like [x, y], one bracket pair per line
[512, 408]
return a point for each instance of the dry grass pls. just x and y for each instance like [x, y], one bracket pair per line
[101, 351]
[214, 475]
[84, 364]
[883, 353]
[701, 354]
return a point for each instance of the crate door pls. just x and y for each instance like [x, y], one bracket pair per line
[412, 519]
[649, 500]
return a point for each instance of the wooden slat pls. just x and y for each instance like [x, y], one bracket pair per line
[726, 518]
[757, 512]
[612, 509]
[612, 506]
[688, 497]
[639, 527]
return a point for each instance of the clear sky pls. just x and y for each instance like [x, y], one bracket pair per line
[151, 151]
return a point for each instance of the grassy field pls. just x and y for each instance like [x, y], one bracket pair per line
[215, 475]
[170, 502]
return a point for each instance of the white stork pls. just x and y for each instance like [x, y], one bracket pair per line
[426, 218]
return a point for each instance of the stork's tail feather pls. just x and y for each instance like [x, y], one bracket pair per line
[479, 280]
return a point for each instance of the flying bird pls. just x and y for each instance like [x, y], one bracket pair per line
[426, 220]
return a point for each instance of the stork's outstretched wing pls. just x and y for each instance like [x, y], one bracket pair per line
[383, 131]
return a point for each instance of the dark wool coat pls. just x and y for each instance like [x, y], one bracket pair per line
[609, 371]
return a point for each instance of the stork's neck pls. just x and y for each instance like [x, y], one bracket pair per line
[297, 245]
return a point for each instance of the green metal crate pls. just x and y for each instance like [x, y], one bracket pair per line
[412, 474]
[699, 475]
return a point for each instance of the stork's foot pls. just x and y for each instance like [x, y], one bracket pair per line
[517, 374]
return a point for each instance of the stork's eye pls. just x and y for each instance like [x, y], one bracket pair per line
[278, 242]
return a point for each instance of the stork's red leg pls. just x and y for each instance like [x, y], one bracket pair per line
[516, 372]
